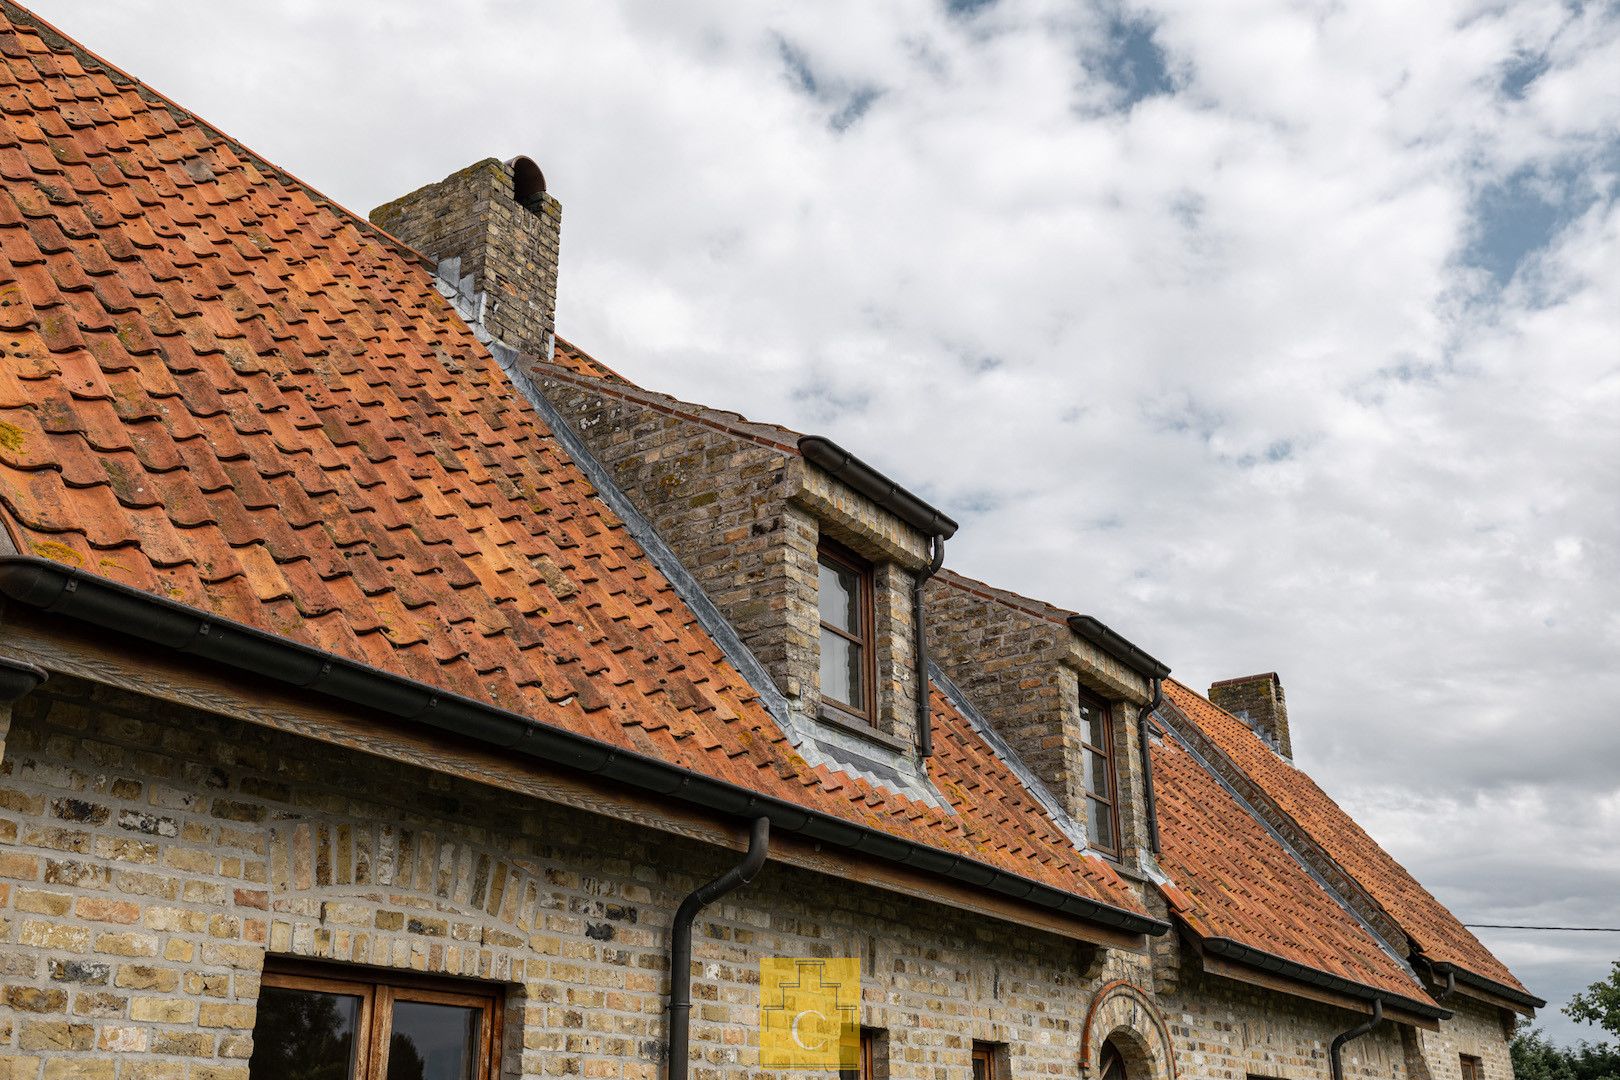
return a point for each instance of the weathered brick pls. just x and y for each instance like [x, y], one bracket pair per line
[163, 1010]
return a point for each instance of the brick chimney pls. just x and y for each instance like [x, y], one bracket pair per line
[1259, 701]
[494, 230]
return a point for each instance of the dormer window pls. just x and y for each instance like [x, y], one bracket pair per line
[847, 673]
[1097, 751]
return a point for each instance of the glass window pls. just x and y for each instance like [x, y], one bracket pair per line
[318, 1027]
[1097, 769]
[846, 632]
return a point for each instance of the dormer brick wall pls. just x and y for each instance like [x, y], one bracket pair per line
[745, 514]
[1026, 670]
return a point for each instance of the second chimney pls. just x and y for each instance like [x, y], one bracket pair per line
[1259, 701]
[500, 222]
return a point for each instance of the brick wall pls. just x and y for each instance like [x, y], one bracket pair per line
[1475, 1029]
[510, 249]
[151, 856]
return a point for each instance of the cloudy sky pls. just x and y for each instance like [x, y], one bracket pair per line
[1279, 334]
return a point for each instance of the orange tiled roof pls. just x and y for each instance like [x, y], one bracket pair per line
[222, 389]
[1433, 929]
[1234, 880]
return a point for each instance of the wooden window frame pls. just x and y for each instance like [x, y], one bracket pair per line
[866, 642]
[377, 990]
[1107, 751]
[866, 1070]
[1473, 1066]
[986, 1052]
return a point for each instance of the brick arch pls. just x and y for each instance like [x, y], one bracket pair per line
[389, 896]
[1124, 1011]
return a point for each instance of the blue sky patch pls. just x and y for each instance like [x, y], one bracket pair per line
[1134, 62]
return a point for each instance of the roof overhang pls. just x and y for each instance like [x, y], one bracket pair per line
[861, 477]
[1111, 643]
[52, 587]
[1491, 990]
[1233, 959]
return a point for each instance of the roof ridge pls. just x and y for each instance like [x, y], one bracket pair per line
[57, 39]
[1005, 597]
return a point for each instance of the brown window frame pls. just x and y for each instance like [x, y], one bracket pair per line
[986, 1052]
[865, 571]
[377, 990]
[1107, 752]
[866, 1070]
[1473, 1066]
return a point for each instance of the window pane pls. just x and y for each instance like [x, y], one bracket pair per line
[1091, 725]
[841, 598]
[1100, 824]
[305, 1034]
[1097, 774]
[841, 670]
[981, 1067]
[434, 1042]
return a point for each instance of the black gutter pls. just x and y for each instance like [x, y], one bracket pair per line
[925, 712]
[1336, 1048]
[1463, 975]
[1113, 644]
[860, 476]
[1150, 803]
[53, 587]
[1265, 961]
[680, 943]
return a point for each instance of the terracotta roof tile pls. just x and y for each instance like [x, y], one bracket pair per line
[220, 388]
[1432, 928]
[1234, 880]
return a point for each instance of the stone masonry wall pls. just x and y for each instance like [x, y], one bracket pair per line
[150, 858]
[732, 510]
[1475, 1029]
[509, 249]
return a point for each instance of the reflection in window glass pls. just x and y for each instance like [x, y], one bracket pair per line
[841, 669]
[304, 1034]
[840, 597]
[433, 1042]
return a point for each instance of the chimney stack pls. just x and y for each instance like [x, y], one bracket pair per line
[494, 231]
[1259, 701]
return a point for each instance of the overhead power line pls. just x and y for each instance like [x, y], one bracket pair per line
[1517, 926]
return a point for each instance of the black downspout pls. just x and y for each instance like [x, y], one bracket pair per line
[1337, 1046]
[1148, 800]
[925, 715]
[680, 945]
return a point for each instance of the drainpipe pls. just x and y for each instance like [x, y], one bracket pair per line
[925, 716]
[1147, 765]
[680, 946]
[1356, 1032]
